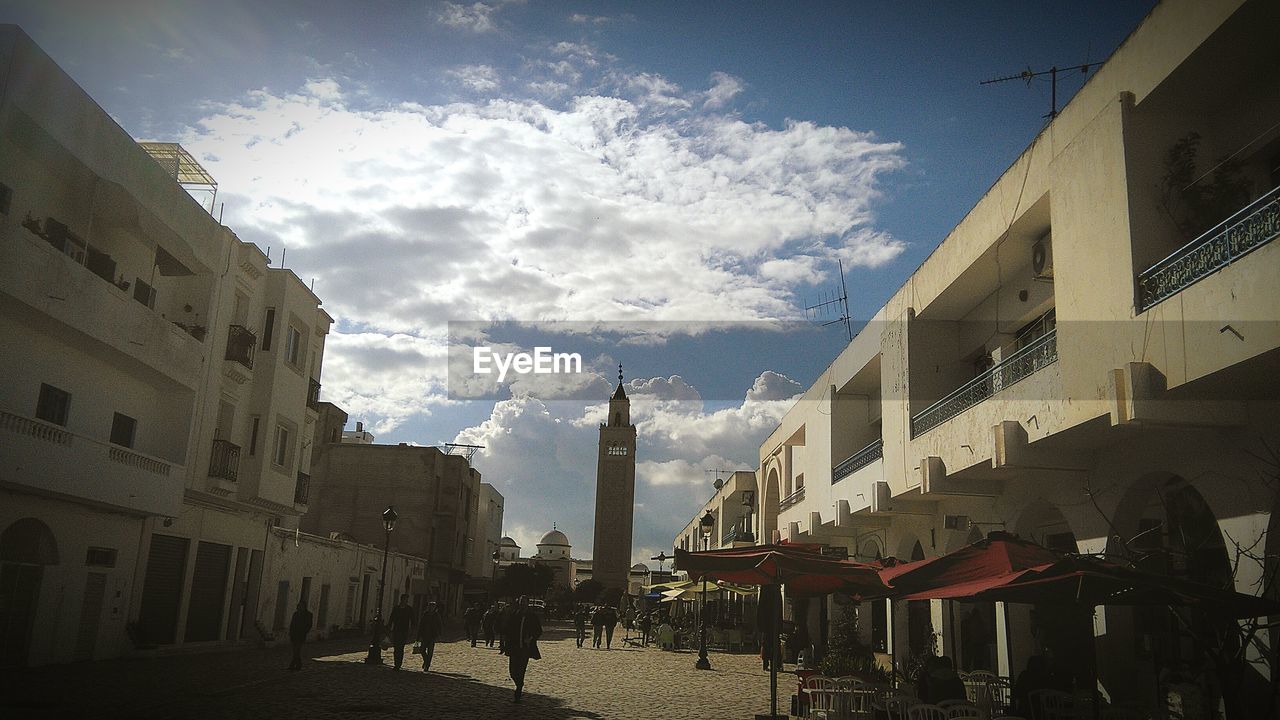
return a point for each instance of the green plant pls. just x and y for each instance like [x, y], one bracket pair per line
[847, 655]
[1196, 202]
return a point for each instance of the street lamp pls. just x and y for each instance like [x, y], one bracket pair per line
[708, 523]
[375, 650]
[748, 504]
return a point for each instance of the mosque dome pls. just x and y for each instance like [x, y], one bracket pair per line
[507, 542]
[555, 537]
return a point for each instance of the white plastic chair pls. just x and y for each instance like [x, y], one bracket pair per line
[1052, 705]
[926, 712]
[964, 711]
[822, 696]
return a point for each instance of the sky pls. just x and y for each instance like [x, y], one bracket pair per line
[668, 184]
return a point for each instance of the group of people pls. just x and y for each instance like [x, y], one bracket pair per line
[603, 618]
[477, 620]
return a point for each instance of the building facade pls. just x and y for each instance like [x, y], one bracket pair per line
[1088, 360]
[435, 494]
[615, 493]
[105, 266]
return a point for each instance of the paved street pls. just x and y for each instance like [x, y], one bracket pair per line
[567, 683]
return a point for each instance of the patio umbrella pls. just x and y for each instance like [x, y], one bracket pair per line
[802, 568]
[975, 567]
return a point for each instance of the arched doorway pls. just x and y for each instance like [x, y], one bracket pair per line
[26, 547]
[1164, 525]
[769, 507]
[919, 618]
[1057, 631]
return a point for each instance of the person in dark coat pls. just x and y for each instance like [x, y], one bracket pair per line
[400, 622]
[597, 625]
[299, 626]
[429, 626]
[609, 616]
[1035, 677]
[768, 612]
[580, 625]
[489, 623]
[471, 620]
[520, 635]
[938, 681]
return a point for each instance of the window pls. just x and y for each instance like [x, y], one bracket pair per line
[101, 557]
[268, 328]
[281, 455]
[617, 449]
[293, 346]
[253, 436]
[54, 405]
[144, 293]
[122, 430]
[6, 198]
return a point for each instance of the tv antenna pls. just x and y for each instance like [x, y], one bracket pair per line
[1028, 75]
[467, 451]
[718, 471]
[836, 302]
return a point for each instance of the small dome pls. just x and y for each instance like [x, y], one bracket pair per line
[639, 568]
[507, 542]
[555, 537]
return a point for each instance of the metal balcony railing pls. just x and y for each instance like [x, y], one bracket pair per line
[857, 461]
[1253, 226]
[313, 395]
[225, 461]
[792, 499]
[729, 537]
[241, 343]
[302, 490]
[1040, 353]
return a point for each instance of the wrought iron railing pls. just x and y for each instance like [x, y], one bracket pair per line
[1040, 353]
[1255, 225]
[792, 499]
[313, 395]
[730, 536]
[302, 490]
[225, 461]
[241, 343]
[857, 461]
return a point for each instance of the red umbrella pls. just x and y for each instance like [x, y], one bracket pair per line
[986, 563]
[802, 568]
[1090, 581]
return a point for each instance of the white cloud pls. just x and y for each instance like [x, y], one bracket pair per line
[479, 78]
[477, 17]
[724, 87]
[327, 90]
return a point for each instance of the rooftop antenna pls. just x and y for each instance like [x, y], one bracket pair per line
[467, 451]
[719, 483]
[836, 303]
[1028, 75]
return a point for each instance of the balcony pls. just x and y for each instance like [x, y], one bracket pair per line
[302, 490]
[857, 461]
[1040, 353]
[225, 460]
[313, 395]
[791, 499]
[51, 458]
[1249, 229]
[241, 343]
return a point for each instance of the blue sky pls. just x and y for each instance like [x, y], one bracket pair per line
[680, 162]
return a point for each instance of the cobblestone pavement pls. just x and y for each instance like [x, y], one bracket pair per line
[465, 682]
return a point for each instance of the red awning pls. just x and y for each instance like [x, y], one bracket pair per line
[990, 561]
[801, 568]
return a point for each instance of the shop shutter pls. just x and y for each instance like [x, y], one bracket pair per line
[208, 591]
[162, 590]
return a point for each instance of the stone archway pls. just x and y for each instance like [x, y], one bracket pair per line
[26, 547]
[1164, 525]
[769, 506]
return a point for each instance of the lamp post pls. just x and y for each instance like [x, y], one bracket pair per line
[375, 650]
[493, 584]
[708, 523]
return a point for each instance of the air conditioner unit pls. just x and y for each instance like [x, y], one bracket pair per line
[1042, 257]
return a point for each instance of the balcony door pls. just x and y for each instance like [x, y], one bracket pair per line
[26, 547]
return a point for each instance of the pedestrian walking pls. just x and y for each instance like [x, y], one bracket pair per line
[520, 638]
[400, 623]
[471, 619]
[597, 625]
[299, 626]
[428, 631]
[580, 625]
[488, 622]
[610, 620]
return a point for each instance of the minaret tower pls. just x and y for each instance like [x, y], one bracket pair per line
[615, 493]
